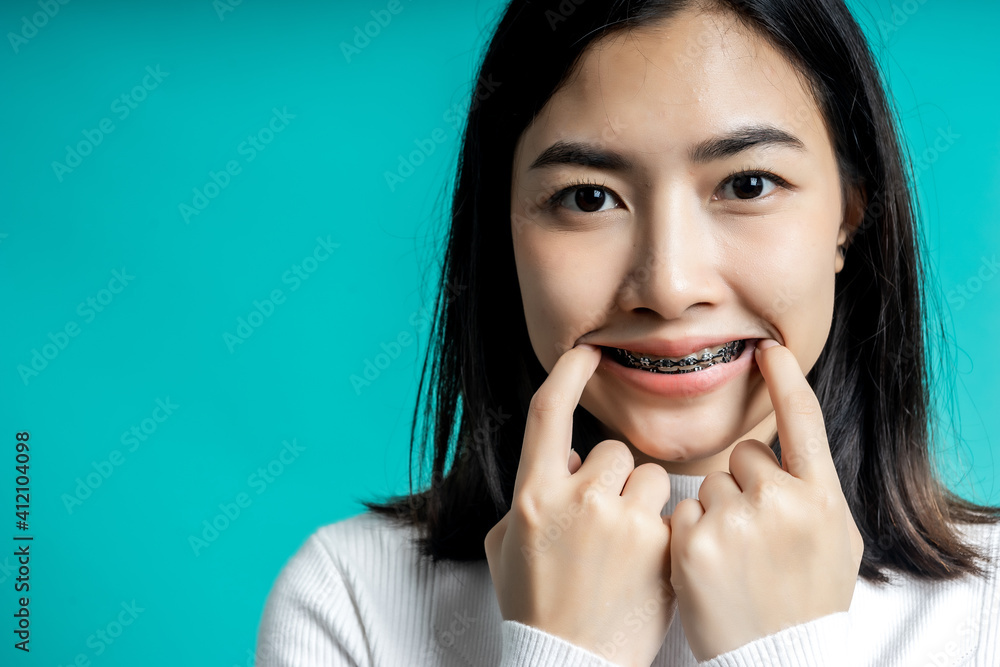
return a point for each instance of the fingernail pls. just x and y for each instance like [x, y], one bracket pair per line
[586, 346]
[765, 343]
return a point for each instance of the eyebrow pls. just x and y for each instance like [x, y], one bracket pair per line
[716, 148]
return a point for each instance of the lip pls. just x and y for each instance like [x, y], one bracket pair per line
[682, 384]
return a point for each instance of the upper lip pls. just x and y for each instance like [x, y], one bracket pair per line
[678, 347]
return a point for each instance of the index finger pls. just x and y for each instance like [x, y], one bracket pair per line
[548, 431]
[805, 450]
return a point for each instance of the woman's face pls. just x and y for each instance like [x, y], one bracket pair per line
[662, 250]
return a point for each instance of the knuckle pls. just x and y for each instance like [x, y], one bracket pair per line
[811, 505]
[697, 548]
[616, 449]
[740, 517]
[686, 507]
[759, 495]
[713, 479]
[634, 524]
[620, 460]
[716, 476]
[823, 499]
[526, 511]
[546, 400]
[653, 470]
[685, 515]
[591, 499]
[746, 447]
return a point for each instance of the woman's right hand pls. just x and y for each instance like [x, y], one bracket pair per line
[583, 553]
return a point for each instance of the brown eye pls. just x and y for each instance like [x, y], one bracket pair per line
[748, 186]
[587, 199]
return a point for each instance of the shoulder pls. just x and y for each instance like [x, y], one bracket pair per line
[336, 580]
[359, 590]
[986, 538]
[364, 536]
[351, 547]
[985, 622]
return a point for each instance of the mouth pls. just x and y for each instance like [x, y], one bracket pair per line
[697, 362]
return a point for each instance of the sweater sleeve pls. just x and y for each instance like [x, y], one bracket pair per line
[821, 642]
[527, 646]
[310, 618]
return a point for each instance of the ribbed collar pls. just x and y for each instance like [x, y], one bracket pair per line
[681, 487]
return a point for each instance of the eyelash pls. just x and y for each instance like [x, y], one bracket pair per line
[553, 201]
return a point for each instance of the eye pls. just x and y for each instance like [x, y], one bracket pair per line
[585, 197]
[750, 185]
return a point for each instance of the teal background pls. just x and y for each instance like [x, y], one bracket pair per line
[162, 336]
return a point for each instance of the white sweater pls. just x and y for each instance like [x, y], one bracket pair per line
[356, 594]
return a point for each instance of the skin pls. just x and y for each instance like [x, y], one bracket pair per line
[763, 268]
[776, 542]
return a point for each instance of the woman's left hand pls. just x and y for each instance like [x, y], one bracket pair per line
[766, 546]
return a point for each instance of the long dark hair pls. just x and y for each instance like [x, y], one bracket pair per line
[871, 378]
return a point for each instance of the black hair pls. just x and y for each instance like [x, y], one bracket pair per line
[871, 378]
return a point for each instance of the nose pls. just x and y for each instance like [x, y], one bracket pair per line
[675, 261]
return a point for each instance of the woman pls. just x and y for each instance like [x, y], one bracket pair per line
[712, 249]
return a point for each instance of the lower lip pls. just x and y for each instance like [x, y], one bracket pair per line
[681, 384]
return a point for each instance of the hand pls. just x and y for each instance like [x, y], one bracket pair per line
[766, 546]
[583, 553]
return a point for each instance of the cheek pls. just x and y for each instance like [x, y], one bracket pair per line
[788, 275]
[565, 289]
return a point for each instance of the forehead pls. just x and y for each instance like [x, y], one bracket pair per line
[665, 86]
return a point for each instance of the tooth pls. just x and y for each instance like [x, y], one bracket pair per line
[703, 354]
[713, 356]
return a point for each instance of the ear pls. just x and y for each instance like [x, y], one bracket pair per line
[855, 203]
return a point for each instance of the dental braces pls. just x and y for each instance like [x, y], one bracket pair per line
[728, 352]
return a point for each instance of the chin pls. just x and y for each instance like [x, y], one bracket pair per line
[671, 439]
[681, 436]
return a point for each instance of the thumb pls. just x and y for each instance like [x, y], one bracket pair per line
[574, 462]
